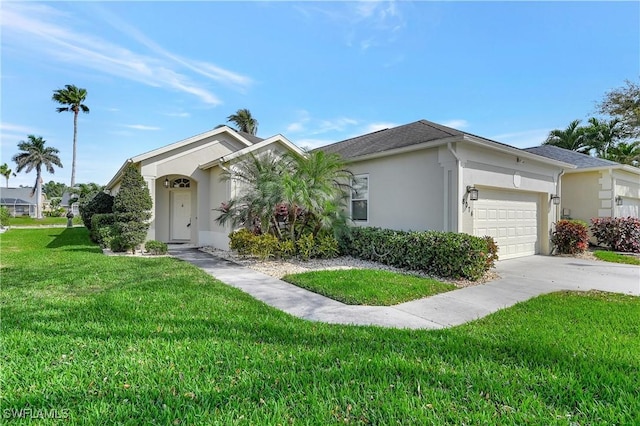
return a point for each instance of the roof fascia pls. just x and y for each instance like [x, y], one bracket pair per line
[625, 167]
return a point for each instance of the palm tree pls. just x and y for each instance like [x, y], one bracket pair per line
[625, 153]
[601, 136]
[73, 97]
[572, 138]
[244, 121]
[35, 155]
[287, 196]
[6, 172]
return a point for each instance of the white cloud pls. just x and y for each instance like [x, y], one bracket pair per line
[366, 24]
[42, 30]
[524, 138]
[140, 127]
[178, 114]
[456, 123]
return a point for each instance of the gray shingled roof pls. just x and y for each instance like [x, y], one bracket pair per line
[387, 139]
[581, 161]
[24, 194]
[251, 138]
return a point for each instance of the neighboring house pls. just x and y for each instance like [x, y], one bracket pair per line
[424, 176]
[20, 201]
[184, 183]
[64, 203]
[596, 187]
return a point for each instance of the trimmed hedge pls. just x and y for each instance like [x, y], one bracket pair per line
[443, 254]
[101, 228]
[570, 237]
[620, 233]
[265, 246]
[100, 203]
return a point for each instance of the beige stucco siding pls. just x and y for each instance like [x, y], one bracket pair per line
[405, 190]
[580, 195]
[211, 233]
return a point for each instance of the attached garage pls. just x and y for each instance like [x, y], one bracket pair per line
[511, 218]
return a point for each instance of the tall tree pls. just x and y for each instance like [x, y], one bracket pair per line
[72, 98]
[244, 121]
[602, 135]
[6, 172]
[35, 155]
[625, 153]
[54, 189]
[572, 138]
[623, 103]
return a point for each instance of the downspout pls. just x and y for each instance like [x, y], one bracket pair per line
[458, 191]
[558, 214]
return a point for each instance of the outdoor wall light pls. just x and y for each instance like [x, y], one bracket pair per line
[473, 193]
[166, 182]
[618, 200]
[555, 199]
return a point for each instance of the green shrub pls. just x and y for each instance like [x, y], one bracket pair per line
[5, 216]
[116, 245]
[131, 207]
[99, 221]
[100, 203]
[264, 246]
[444, 254]
[241, 240]
[305, 246]
[57, 212]
[156, 247]
[620, 233]
[104, 235]
[570, 237]
[286, 249]
[326, 247]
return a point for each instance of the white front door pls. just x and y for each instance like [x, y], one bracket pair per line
[180, 215]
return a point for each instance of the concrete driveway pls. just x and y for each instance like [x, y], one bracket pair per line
[520, 280]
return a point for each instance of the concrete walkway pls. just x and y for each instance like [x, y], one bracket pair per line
[521, 279]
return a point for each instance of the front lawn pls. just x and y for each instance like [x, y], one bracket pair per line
[368, 286]
[45, 221]
[117, 340]
[610, 256]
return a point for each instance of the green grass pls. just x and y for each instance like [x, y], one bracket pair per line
[609, 256]
[367, 286]
[45, 221]
[132, 341]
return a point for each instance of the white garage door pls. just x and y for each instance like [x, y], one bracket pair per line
[511, 218]
[630, 207]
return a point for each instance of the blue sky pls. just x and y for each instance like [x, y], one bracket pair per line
[316, 72]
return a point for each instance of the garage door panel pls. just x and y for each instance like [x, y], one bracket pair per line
[510, 218]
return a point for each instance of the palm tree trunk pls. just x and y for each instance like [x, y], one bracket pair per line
[73, 161]
[38, 195]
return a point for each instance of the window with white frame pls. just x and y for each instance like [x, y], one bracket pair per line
[360, 198]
